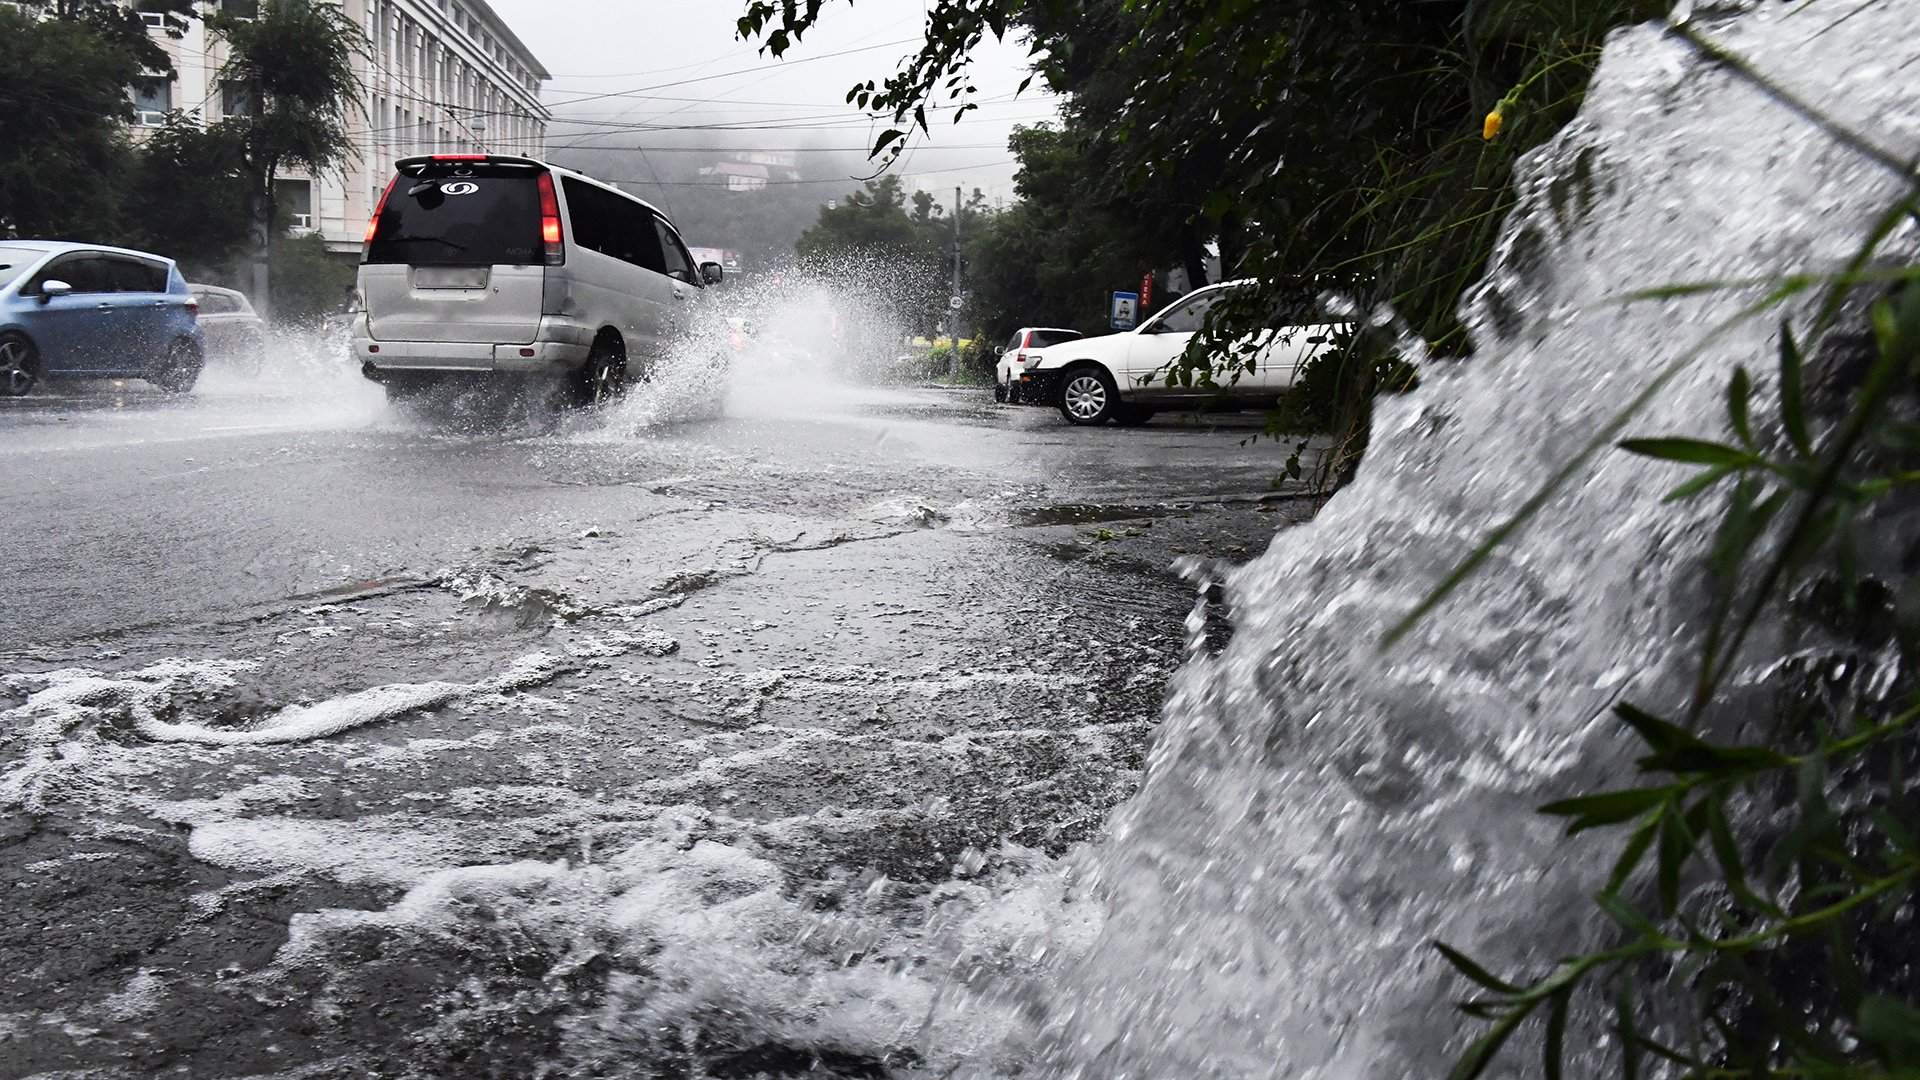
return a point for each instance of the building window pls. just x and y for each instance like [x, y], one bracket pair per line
[152, 100]
[240, 9]
[237, 99]
[295, 198]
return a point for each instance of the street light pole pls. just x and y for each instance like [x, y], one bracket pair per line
[953, 354]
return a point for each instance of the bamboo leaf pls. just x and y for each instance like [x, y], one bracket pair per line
[1466, 966]
[1897, 832]
[1700, 482]
[1630, 856]
[1655, 732]
[1607, 808]
[1892, 1026]
[1482, 1052]
[1727, 853]
[1629, 1036]
[1690, 452]
[1626, 915]
[1739, 401]
[1792, 408]
[1554, 1049]
[1675, 847]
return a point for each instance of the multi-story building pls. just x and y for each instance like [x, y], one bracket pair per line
[442, 76]
[753, 170]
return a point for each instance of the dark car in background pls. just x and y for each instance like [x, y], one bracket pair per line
[233, 334]
[84, 311]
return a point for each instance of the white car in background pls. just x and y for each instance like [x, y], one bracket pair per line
[1123, 377]
[1020, 351]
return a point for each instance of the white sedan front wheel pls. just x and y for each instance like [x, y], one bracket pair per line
[1089, 397]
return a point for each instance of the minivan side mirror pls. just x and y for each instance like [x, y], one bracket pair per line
[712, 272]
[51, 289]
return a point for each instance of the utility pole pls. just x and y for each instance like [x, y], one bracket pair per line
[953, 354]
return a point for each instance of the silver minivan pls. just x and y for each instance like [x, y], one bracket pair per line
[490, 264]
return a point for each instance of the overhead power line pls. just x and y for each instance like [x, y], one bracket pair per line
[793, 183]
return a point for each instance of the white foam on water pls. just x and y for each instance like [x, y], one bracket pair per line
[304, 723]
[709, 949]
[58, 728]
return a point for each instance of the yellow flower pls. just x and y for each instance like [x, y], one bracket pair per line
[1491, 129]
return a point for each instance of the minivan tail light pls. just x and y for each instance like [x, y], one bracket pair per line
[550, 222]
[373, 226]
[459, 157]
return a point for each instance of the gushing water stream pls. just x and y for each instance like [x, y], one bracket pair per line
[1316, 810]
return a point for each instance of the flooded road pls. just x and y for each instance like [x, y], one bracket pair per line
[338, 741]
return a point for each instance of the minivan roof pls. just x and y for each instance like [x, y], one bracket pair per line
[61, 247]
[418, 163]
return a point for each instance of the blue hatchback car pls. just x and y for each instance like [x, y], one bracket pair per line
[79, 310]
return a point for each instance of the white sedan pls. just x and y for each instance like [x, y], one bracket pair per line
[1123, 377]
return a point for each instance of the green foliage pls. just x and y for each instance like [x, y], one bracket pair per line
[1053, 258]
[297, 58]
[187, 195]
[875, 220]
[117, 25]
[308, 281]
[63, 110]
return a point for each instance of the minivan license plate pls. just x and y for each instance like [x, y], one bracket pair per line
[449, 277]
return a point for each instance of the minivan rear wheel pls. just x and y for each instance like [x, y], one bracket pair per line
[604, 377]
[19, 365]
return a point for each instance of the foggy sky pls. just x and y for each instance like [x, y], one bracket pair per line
[677, 62]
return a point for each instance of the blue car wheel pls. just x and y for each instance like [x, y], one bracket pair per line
[19, 364]
[180, 369]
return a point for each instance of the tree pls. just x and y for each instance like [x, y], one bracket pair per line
[874, 220]
[296, 58]
[307, 281]
[187, 195]
[120, 26]
[63, 111]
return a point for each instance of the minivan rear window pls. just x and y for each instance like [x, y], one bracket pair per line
[466, 216]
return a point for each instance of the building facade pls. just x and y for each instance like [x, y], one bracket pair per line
[443, 76]
[753, 170]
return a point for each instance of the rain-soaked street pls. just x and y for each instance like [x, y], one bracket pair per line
[275, 654]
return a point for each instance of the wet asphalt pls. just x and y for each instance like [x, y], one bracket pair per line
[883, 626]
